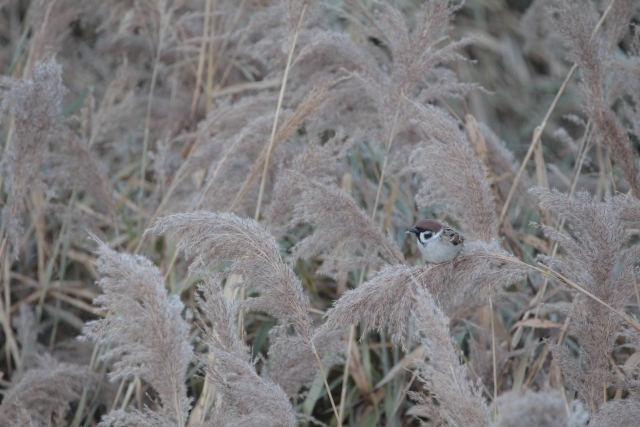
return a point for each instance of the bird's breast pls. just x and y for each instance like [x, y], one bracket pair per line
[436, 251]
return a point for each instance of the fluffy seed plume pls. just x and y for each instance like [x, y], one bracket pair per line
[215, 238]
[35, 104]
[619, 413]
[541, 409]
[594, 259]
[446, 379]
[388, 298]
[292, 364]
[43, 394]
[246, 398]
[319, 162]
[146, 329]
[345, 235]
[463, 185]
[575, 24]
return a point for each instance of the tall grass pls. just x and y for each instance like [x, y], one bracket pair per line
[204, 206]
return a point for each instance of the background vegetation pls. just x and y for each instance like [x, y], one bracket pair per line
[204, 206]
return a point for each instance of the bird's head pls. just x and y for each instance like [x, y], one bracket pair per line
[426, 229]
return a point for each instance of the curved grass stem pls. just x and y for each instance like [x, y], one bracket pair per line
[549, 272]
[326, 384]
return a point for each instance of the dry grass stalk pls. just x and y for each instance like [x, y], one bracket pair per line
[275, 120]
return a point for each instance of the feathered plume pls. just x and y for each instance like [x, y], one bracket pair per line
[215, 238]
[462, 185]
[344, 234]
[388, 298]
[146, 329]
[246, 399]
[460, 403]
[593, 259]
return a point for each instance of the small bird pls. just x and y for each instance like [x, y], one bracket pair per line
[437, 242]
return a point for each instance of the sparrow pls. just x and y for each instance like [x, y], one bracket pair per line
[437, 242]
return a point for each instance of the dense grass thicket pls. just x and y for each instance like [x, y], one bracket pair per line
[204, 206]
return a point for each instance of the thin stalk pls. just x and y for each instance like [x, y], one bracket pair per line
[5, 319]
[203, 46]
[6, 287]
[278, 108]
[223, 48]
[114, 404]
[83, 396]
[176, 404]
[345, 375]
[199, 411]
[537, 133]
[56, 250]
[164, 21]
[129, 393]
[386, 156]
[493, 351]
[61, 273]
[7, 145]
[400, 398]
[211, 65]
[225, 75]
[3, 247]
[635, 288]
[326, 384]
[93, 404]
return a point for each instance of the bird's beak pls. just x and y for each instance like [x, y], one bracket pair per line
[413, 230]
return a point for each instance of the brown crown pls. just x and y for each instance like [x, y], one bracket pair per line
[428, 225]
